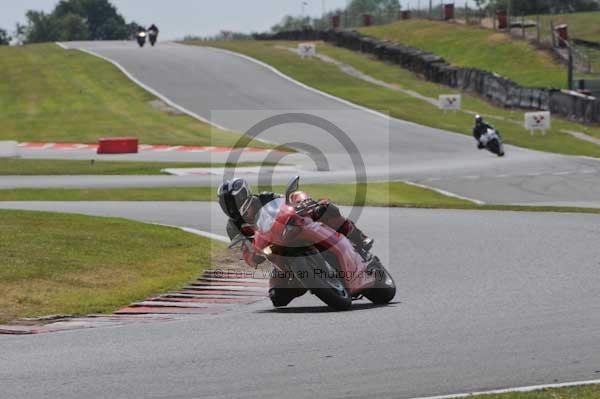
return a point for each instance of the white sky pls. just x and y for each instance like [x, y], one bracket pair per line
[176, 18]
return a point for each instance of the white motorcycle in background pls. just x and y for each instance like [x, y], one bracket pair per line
[492, 141]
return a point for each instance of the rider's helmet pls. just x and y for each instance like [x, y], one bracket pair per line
[298, 197]
[478, 120]
[232, 194]
[250, 208]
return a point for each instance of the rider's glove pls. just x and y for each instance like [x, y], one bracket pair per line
[251, 257]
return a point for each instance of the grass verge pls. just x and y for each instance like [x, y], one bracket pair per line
[579, 392]
[582, 25]
[328, 78]
[71, 264]
[35, 167]
[49, 94]
[387, 194]
[471, 46]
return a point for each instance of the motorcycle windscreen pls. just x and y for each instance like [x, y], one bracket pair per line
[268, 214]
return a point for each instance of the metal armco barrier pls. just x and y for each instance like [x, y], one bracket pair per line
[434, 68]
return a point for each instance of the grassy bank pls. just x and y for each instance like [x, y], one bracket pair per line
[70, 264]
[34, 167]
[394, 194]
[49, 94]
[581, 392]
[330, 79]
[582, 25]
[475, 47]
[378, 194]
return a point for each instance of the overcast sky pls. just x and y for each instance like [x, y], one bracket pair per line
[177, 18]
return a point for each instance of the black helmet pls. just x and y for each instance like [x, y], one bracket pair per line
[232, 194]
[478, 119]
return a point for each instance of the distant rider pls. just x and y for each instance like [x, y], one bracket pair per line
[480, 129]
[153, 30]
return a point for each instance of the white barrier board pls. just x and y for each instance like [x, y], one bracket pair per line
[538, 121]
[307, 49]
[451, 102]
[8, 149]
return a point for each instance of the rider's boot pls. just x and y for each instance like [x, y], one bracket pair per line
[282, 289]
[360, 240]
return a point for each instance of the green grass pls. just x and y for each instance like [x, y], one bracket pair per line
[385, 194]
[475, 47]
[70, 264]
[35, 167]
[328, 78]
[378, 194]
[580, 392]
[49, 94]
[582, 25]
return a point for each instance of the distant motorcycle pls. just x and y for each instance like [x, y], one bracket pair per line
[492, 141]
[141, 38]
[152, 37]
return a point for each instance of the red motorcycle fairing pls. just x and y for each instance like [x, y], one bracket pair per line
[292, 231]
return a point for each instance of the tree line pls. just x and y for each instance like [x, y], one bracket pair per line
[73, 20]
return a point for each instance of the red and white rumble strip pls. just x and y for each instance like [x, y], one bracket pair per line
[213, 293]
[142, 147]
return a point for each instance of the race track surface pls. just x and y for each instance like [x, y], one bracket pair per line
[237, 93]
[486, 300]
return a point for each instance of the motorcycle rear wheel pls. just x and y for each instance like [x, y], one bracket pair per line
[328, 288]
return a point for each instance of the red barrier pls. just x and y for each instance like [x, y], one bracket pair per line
[335, 22]
[118, 145]
[563, 34]
[448, 12]
[367, 20]
[502, 18]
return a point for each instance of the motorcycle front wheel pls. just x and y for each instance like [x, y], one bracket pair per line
[321, 278]
[385, 287]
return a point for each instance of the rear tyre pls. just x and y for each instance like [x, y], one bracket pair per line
[385, 287]
[319, 276]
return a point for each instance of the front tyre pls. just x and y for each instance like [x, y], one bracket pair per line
[321, 278]
[385, 287]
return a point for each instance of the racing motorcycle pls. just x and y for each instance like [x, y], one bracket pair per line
[141, 38]
[320, 259]
[152, 37]
[492, 141]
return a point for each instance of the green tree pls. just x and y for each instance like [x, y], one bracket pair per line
[72, 27]
[78, 20]
[4, 38]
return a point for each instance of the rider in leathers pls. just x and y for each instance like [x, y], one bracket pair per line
[236, 194]
[480, 129]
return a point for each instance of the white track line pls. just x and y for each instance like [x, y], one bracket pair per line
[444, 192]
[518, 389]
[201, 233]
[207, 234]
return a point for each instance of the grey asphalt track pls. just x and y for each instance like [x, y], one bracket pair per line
[486, 300]
[237, 93]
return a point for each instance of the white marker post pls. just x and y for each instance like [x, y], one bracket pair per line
[307, 50]
[538, 121]
[452, 102]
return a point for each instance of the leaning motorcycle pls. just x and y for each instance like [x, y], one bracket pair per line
[317, 257]
[141, 38]
[492, 141]
[152, 37]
